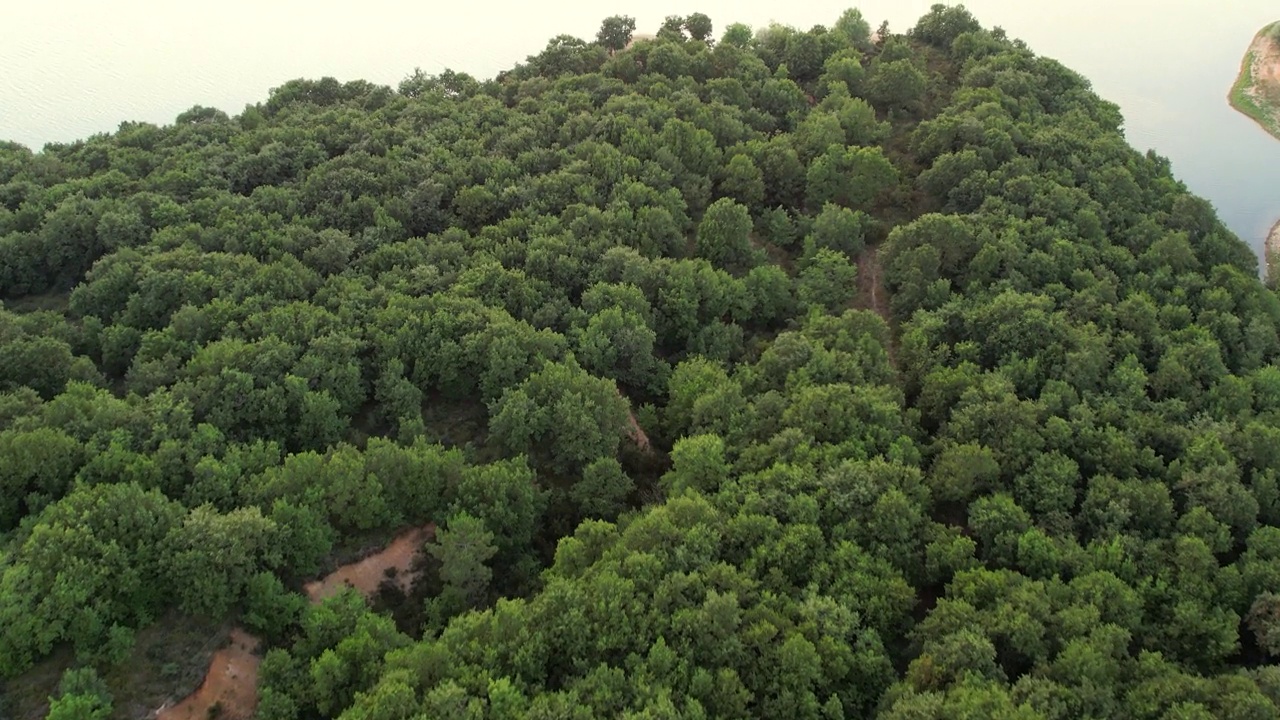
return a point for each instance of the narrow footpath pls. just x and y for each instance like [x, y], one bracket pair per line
[873, 296]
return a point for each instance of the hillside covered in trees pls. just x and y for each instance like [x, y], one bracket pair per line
[773, 373]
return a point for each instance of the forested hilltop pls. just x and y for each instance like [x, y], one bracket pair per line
[790, 374]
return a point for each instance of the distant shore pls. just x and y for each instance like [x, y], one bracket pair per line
[1256, 92]
[1271, 255]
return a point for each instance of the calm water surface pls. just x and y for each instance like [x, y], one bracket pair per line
[72, 68]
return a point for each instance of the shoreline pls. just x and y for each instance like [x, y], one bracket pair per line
[1260, 66]
[1256, 95]
[1271, 255]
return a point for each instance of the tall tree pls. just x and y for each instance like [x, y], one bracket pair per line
[615, 32]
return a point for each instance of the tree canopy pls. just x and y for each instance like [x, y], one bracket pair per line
[798, 373]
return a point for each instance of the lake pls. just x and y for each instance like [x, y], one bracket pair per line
[72, 68]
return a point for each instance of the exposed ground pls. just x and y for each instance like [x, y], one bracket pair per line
[872, 295]
[230, 688]
[395, 560]
[172, 653]
[635, 432]
[1256, 92]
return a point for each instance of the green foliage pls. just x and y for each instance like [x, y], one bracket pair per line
[615, 32]
[828, 281]
[270, 610]
[90, 562]
[561, 417]
[850, 177]
[210, 558]
[895, 84]
[463, 547]
[82, 695]
[943, 24]
[698, 26]
[1019, 461]
[840, 229]
[724, 235]
[698, 463]
[854, 27]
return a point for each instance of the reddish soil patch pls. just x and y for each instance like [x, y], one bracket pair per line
[231, 684]
[873, 296]
[637, 433]
[232, 681]
[634, 431]
[367, 574]
[871, 293]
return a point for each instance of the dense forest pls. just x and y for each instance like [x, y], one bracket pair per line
[775, 373]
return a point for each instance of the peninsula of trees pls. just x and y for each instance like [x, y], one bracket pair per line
[775, 373]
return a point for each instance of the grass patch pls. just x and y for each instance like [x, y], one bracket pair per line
[169, 660]
[1257, 101]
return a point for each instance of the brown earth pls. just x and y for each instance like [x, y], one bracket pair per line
[872, 295]
[367, 574]
[1266, 60]
[230, 688]
[230, 685]
[637, 433]
[634, 431]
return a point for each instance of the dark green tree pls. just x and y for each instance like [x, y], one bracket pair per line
[615, 32]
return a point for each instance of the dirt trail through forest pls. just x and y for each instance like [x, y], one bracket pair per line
[635, 432]
[230, 688]
[872, 295]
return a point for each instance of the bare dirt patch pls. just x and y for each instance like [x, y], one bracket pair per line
[172, 655]
[1266, 62]
[637, 433]
[367, 574]
[634, 431]
[230, 688]
[872, 294]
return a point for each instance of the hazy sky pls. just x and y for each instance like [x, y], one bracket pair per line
[70, 68]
